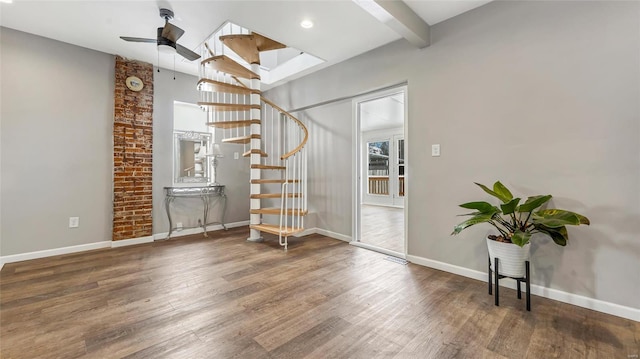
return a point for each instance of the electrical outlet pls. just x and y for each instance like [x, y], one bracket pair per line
[179, 226]
[74, 222]
[435, 150]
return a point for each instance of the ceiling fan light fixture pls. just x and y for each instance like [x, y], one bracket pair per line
[166, 49]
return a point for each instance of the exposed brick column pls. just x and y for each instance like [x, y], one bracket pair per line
[132, 152]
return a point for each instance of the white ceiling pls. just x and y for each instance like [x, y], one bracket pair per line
[341, 28]
[433, 12]
[382, 113]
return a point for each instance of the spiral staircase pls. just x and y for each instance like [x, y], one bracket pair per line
[273, 139]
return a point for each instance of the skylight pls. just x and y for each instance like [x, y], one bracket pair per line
[275, 65]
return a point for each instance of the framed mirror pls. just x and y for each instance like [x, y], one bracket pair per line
[190, 163]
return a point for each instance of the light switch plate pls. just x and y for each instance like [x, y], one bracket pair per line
[236, 155]
[74, 222]
[435, 150]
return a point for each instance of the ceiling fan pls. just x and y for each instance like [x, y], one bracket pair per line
[167, 36]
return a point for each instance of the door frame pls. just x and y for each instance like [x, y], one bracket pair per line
[397, 200]
[356, 176]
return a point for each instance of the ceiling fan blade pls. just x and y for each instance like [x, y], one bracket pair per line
[172, 32]
[138, 39]
[186, 53]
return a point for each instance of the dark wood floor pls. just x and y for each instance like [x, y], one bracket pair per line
[223, 297]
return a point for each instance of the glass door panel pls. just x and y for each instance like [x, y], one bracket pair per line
[378, 168]
[398, 181]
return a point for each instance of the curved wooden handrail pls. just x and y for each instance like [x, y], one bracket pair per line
[304, 128]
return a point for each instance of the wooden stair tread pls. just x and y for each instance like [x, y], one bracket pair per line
[266, 167]
[275, 229]
[276, 210]
[241, 139]
[266, 44]
[224, 64]
[228, 106]
[275, 195]
[223, 87]
[254, 181]
[248, 153]
[249, 46]
[233, 124]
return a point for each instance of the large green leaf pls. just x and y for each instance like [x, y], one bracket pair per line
[502, 191]
[510, 207]
[583, 219]
[480, 218]
[500, 194]
[555, 218]
[482, 207]
[533, 203]
[559, 235]
[520, 238]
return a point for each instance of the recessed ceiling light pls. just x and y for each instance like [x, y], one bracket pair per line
[307, 24]
[6, 1]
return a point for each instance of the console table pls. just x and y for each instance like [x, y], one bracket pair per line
[207, 194]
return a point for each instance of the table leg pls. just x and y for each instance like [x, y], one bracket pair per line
[223, 198]
[205, 212]
[167, 204]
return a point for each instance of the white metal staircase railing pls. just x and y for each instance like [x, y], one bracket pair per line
[293, 199]
[273, 138]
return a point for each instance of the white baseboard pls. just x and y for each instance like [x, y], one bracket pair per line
[324, 232]
[108, 244]
[555, 294]
[306, 232]
[131, 241]
[54, 252]
[333, 235]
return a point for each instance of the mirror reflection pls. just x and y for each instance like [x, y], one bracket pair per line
[190, 157]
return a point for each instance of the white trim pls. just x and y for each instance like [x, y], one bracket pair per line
[54, 252]
[333, 235]
[306, 232]
[378, 249]
[325, 233]
[131, 241]
[234, 224]
[555, 294]
[107, 244]
[358, 159]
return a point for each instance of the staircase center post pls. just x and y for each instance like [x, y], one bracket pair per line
[255, 219]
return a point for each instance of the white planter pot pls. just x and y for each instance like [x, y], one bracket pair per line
[511, 257]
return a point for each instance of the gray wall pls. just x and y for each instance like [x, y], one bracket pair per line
[543, 96]
[329, 166]
[56, 130]
[56, 137]
[232, 173]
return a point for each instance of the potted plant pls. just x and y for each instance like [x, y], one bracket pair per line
[516, 223]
